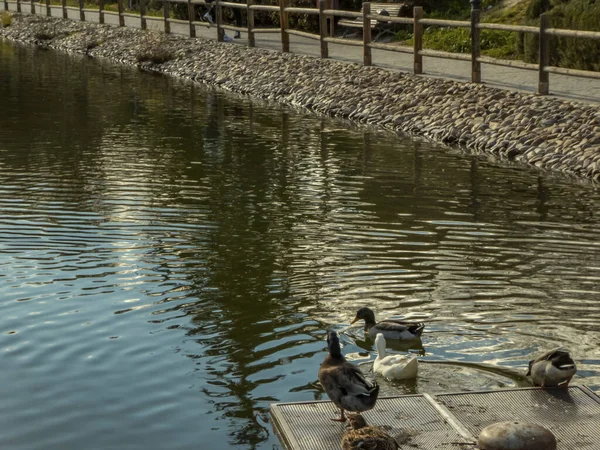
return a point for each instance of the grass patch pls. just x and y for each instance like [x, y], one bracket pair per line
[154, 53]
[514, 15]
[494, 43]
[86, 5]
[455, 40]
[6, 19]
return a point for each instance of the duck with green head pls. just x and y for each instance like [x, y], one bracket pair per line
[552, 369]
[390, 328]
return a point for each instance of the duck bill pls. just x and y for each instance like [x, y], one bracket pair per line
[355, 319]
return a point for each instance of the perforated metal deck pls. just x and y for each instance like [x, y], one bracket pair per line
[448, 421]
[573, 414]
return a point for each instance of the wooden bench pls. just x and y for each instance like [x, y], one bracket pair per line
[382, 28]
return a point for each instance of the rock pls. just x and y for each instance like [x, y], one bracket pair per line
[516, 436]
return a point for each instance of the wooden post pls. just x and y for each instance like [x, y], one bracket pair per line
[283, 23]
[418, 40]
[366, 10]
[323, 29]
[101, 11]
[63, 5]
[48, 9]
[6, 5]
[32, 5]
[331, 19]
[219, 14]
[475, 46]
[143, 24]
[121, 10]
[191, 17]
[167, 16]
[544, 77]
[81, 11]
[250, 20]
[18, 5]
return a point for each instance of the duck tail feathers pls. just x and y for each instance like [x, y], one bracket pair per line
[375, 390]
[418, 328]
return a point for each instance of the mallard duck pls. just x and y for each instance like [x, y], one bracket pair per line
[552, 369]
[396, 367]
[344, 383]
[366, 437]
[390, 328]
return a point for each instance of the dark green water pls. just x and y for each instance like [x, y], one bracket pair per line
[170, 258]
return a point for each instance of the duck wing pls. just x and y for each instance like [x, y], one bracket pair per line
[392, 360]
[351, 380]
[398, 325]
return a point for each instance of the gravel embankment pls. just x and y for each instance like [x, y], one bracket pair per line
[542, 131]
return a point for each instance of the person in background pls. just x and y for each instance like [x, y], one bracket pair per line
[237, 16]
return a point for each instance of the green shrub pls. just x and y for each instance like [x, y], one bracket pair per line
[574, 53]
[44, 36]
[456, 40]
[155, 53]
[6, 19]
[494, 43]
[514, 14]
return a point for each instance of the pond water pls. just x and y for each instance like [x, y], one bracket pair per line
[171, 257]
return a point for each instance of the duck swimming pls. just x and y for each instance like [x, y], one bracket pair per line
[344, 383]
[394, 367]
[366, 437]
[390, 328]
[552, 369]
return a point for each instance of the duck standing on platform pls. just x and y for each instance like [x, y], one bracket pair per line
[366, 437]
[552, 369]
[344, 383]
[394, 367]
[390, 328]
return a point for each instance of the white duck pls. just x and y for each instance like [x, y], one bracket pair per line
[395, 367]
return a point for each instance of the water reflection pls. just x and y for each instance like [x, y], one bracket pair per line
[173, 256]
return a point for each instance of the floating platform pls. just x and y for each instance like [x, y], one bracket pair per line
[448, 421]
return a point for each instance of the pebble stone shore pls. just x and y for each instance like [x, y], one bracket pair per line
[541, 131]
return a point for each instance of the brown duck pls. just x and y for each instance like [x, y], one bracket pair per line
[366, 437]
[344, 383]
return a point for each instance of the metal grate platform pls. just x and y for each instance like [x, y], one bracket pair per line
[445, 421]
[573, 414]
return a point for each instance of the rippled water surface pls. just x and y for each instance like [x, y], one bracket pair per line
[171, 256]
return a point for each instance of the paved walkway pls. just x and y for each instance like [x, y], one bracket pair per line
[569, 88]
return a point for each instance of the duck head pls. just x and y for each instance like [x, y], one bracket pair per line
[562, 360]
[531, 361]
[333, 344]
[366, 314]
[357, 421]
[380, 345]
